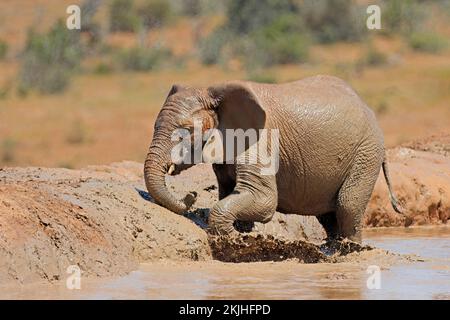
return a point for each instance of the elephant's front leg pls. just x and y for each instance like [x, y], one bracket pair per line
[226, 178]
[253, 199]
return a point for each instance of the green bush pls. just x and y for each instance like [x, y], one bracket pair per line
[210, 48]
[427, 42]
[334, 20]
[191, 8]
[3, 49]
[263, 33]
[154, 13]
[401, 16]
[122, 16]
[143, 59]
[89, 26]
[196, 8]
[49, 59]
[281, 42]
[268, 32]
[248, 16]
[103, 68]
[327, 20]
[373, 57]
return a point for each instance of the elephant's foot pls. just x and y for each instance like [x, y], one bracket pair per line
[221, 221]
[220, 227]
[230, 228]
[239, 209]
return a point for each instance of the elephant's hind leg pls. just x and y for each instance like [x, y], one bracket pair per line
[329, 223]
[355, 193]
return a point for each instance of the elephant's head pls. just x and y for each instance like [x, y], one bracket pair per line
[232, 105]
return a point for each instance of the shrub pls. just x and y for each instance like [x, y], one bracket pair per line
[281, 42]
[103, 68]
[89, 26]
[154, 13]
[210, 48]
[268, 32]
[334, 20]
[263, 33]
[50, 59]
[427, 42]
[248, 16]
[401, 16]
[192, 8]
[3, 49]
[122, 16]
[373, 57]
[143, 59]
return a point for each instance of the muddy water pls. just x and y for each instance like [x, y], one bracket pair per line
[425, 278]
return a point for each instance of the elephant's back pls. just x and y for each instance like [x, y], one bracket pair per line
[322, 111]
[320, 107]
[322, 123]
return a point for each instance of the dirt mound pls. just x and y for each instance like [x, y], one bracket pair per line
[41, 235]
[421, 181]
[94, 218]
[437, 143]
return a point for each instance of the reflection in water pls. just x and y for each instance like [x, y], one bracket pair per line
[283, 280]
[428, 280]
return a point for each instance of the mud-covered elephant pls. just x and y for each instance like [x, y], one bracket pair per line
[330, 151]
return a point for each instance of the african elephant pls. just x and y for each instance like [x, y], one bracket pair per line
[330, 149]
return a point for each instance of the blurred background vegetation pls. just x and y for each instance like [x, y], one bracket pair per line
[71, 98]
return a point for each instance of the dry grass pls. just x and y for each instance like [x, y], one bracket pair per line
[115, 112]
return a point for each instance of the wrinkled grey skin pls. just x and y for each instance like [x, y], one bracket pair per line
[331, 152]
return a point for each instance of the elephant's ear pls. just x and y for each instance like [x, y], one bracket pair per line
[237, 106]
[175, 88]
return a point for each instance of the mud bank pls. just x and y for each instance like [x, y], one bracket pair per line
[100, 219]
[421, 181]
[94, 218]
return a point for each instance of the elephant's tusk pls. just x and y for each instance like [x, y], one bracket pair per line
[171, 169]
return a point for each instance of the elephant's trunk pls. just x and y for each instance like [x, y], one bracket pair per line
[156, 167]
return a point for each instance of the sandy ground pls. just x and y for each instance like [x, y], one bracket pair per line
[99, 218]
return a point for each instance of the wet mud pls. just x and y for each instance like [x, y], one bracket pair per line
[259, 247]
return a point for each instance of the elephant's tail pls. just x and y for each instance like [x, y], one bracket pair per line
[394, 202]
